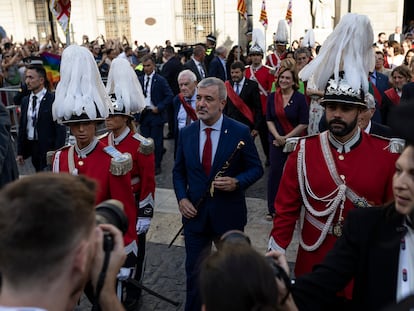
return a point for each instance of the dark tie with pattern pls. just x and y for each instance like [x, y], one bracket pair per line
[237, 88]
[207, 152]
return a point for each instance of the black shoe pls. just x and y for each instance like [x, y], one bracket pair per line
[157, 171]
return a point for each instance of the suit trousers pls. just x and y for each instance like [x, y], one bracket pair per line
[197, 247]
[156, 133]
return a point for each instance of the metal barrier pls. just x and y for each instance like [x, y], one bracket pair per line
[6, 97]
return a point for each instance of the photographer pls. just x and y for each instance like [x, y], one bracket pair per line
[237, 271]
[50, 245]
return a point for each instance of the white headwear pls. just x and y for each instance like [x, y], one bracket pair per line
[347, 49]
[80, 94]
[123, 84]
[258, 42]
[309, 39]
[281, 35]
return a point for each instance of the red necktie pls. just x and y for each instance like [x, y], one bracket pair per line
[207, 152]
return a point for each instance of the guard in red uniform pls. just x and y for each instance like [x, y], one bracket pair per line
[264, 78]
[122, 135]
[280, 40]
[82, 109]
[338, 170]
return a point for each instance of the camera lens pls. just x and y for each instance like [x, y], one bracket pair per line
[112, 212]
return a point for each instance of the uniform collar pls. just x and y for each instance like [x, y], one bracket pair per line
[347, 146]
[121, 137]
[83, 153]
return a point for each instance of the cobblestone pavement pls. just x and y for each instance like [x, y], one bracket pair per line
[164, 269]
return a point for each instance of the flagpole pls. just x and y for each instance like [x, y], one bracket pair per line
[68, 35]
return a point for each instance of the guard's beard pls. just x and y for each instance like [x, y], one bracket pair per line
[347, 128]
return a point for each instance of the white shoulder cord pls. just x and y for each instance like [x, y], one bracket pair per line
[332, 202]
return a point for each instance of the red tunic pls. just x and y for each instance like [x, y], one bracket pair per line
[96, 166]
[272, 61]
[367, 169]
[143, 170]
[265, 79]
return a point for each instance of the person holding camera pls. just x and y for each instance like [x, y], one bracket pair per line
[82, 108]
[51, 245]
[238, 278]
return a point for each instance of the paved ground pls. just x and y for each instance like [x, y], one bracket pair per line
[164, 270]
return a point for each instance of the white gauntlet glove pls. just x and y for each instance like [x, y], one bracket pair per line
[143, 225]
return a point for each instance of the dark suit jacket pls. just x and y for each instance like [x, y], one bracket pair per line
[170, 71]
[380, 130]
[8, 166]
[368, 251]
[51, 135]
[407, 92]
[216, 69]
[161, 97]
[225, 210]
[193, 67]
[391, 38]
[251, 96]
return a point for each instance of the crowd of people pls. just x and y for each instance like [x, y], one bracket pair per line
[331, 121]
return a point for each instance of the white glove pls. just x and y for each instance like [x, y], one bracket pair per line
[143, 225]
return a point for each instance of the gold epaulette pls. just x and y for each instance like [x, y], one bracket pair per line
[121, 163]
[147, 144]
[395, 145]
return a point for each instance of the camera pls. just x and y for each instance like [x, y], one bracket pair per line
[111, 212]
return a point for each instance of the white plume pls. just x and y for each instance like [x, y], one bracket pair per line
[309, 39]
[281, 34]
[347, 48]
[258, 40]
[123, 81]
[80, 89]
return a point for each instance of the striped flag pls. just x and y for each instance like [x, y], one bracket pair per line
[241, 8]
[263, 15]
[61, 10]
[289, 13]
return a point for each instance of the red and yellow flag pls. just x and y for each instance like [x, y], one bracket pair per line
[241, 8]
[61, 10]
[263, 15]
[289, 13]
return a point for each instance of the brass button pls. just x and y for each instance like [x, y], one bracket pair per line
[342, 177]
[341, 157]
[80, 163]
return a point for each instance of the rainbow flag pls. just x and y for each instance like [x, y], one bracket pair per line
[51, 63]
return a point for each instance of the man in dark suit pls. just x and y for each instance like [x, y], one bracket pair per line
[170, 70]
[184, 103]
[196, 63]
[366, 122]
[158, 96]
[397, 35]
[217, 67]
[38, 133]
[211, 202]
[376, 247]
[8, 167]
[243, 99]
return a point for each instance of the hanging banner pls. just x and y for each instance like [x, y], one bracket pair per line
[61, 10]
